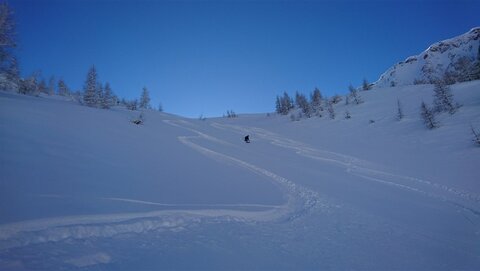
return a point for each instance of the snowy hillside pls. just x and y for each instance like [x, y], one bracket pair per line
[85, 188]
[454, 57]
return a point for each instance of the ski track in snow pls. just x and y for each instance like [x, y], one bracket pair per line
[365, 169]
[299, 198]
[191, 204]
[107, 225]
[299, 201]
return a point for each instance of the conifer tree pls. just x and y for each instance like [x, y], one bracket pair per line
[316, 101]
[132, 105]
[42, 87]
[278, 105]
[29, 85]
[287, 103]
[463, 66]
[51, 86]
[443, 98]
[63, 88]
[145, 99]
[107, 98]
[302, 103]
[99, 95]
[428, 116]
[7, 36]
[475, 70]
[11, 76]
[400, 114]
[331, 111]
[283, 104]
[90, 88]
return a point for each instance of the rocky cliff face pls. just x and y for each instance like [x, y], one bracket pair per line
[454, 60]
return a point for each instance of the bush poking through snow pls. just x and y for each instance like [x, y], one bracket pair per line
[230, 114]
[400, 114]
[366, 85]
[417, 81]
[347, 115]
[139, 120]
[355, 95]
[131, 105]
[336, 99]
[476, 136]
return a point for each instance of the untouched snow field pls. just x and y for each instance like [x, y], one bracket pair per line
[84, 188]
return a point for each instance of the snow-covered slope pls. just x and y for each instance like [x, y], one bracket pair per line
[86, 188]
[448, 56]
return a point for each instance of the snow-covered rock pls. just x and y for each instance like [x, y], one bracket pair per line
[456, 57]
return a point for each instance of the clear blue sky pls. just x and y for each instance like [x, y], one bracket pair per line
[205, 57]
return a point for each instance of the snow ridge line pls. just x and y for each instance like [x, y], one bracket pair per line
[354, 164]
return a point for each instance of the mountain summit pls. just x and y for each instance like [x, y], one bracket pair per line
[455, 60]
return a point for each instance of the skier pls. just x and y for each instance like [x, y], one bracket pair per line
[247, 139]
